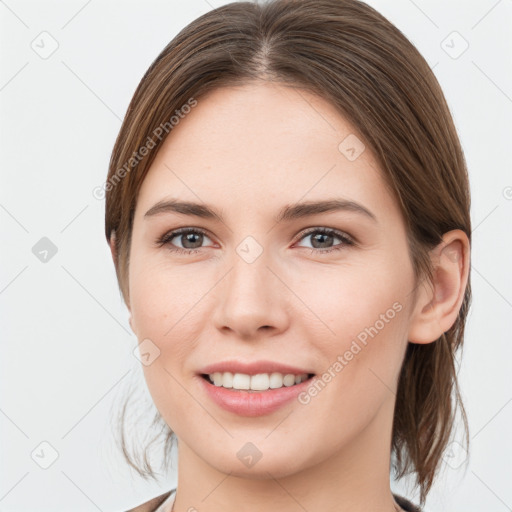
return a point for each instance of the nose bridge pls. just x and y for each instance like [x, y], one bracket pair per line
[250, 297]
[248, 290]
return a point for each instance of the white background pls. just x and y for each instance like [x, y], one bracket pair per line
[66, 345]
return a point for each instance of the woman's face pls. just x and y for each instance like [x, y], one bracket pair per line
[259, 282]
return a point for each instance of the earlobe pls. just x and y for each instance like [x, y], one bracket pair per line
[438, 303]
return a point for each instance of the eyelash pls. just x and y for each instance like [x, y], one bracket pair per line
[346, 240]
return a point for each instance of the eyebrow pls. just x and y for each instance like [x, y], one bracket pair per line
[287, 213]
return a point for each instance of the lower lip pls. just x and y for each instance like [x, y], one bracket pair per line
[256, 403]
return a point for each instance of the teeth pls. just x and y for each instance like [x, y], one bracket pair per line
[259, 382]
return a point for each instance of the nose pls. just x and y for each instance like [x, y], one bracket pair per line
[251, 301]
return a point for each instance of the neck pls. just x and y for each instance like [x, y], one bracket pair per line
[354, 478]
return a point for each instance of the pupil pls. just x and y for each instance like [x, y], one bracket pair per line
[189, 237]
[315, 238]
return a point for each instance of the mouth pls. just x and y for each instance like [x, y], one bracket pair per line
[258, 394]
[258, 383]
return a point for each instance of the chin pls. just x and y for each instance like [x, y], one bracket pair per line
[276, 463]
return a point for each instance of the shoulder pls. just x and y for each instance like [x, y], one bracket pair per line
[406, 504]
[152, 504]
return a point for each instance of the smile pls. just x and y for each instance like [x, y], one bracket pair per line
[241, 400]
[258, 382]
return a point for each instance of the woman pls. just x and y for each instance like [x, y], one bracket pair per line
[288, 212]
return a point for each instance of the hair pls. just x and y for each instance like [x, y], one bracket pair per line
[349, 54]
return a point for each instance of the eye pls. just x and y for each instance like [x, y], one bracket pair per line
[322, 240]
[191, 240]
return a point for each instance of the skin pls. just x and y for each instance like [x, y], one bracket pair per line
[248, 151]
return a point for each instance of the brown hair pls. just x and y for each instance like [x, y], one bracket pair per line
[349, 54]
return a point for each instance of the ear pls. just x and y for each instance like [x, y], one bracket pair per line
[112, 243]
[437, 305]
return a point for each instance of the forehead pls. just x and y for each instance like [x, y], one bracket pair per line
[260, 143]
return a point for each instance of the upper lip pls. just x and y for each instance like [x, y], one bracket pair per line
[253, 368]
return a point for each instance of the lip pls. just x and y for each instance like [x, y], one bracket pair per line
[253, 368]
[252, 403]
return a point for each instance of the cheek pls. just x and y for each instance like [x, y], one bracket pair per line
[348, 299]
[167, 309]
[163, 299]
[366, 312]
[362, 359]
